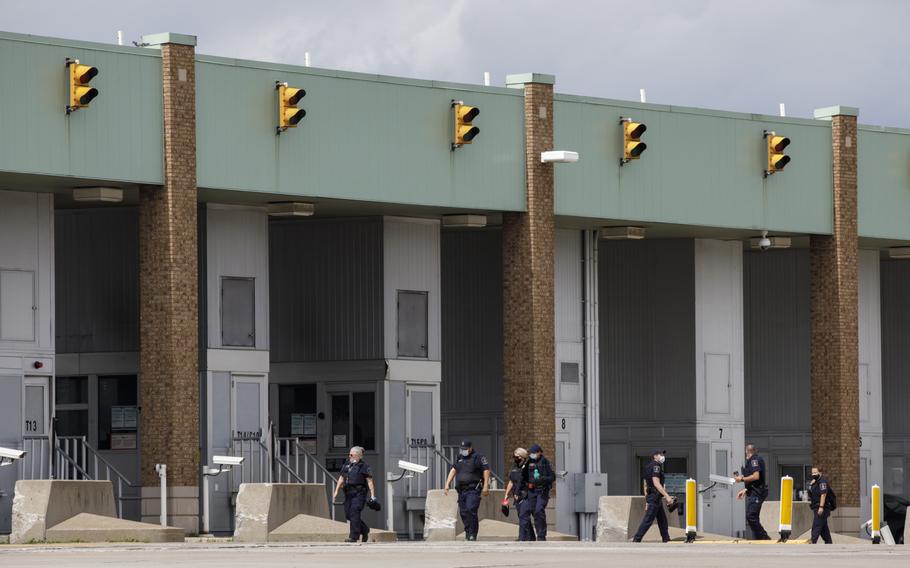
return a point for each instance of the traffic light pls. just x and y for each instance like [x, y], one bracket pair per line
[288, 113]
[632, 146]
[776, 157]
[81, 93]
[465, 132]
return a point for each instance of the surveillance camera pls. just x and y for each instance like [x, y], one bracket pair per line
[12, 454]
[227, 460]
[764, 243]
[415, 467]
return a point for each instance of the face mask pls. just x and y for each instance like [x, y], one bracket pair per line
[517, 460]
[354, 460]
[661, 459]
[464, 453]
[534, 456]
[816, 476]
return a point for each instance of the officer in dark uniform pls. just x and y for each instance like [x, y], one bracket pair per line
[517, 488]
[471, 473]
[820, 501]
[756, 491]
[653, 485]
[540, 481]
[356, 478]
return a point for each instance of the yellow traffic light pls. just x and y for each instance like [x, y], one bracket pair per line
[776, 157]
[81, 93]
[465, 132]
[288, 113]
[632, 146]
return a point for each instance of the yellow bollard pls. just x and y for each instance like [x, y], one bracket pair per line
[786, 508]
[691, 510]
[876, 514]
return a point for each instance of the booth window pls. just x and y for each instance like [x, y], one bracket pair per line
[118, 416]
[354, 420]
[297, 411]
[71, 408]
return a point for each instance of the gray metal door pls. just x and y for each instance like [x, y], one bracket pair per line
[17, 305]
[412, 324]
[10, 437]
[238, 312]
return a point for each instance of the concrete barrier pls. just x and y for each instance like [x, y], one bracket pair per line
[800, 523]
[263, 507]
[442, 521]
[41, 504]
[618, 517]
[67, 511]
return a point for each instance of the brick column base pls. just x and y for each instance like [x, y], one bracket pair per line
[182, 507]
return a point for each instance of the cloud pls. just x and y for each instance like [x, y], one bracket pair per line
[745, 56]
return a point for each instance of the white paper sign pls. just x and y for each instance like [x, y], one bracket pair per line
[339, 441]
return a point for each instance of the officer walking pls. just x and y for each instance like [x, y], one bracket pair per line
[756, 491]
[540, 480]
[471, 473]
[518, 489]
[822, 503]
[653, 486]
[356, 477]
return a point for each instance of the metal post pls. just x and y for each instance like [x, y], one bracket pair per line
[786, 508]
[390, 501]
[876, 514]
[162, 477]
[692, 506]
[205, 501]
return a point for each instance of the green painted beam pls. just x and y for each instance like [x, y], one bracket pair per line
[362, 139]
[118, 137]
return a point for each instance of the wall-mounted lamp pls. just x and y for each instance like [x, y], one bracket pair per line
[558, 157]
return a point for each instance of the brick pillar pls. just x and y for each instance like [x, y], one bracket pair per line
[834, 333]
[168, 308]
[529, 384]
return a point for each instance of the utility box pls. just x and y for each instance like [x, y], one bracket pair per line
[589, 488]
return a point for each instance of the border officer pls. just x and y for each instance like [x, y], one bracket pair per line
[653, 486]
[518, 489]
[471, 473]
[356, 477]
[756, 491]
[540, 481]
[821, 502]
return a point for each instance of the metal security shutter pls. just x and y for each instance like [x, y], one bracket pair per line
[238, 312]
[412, 323]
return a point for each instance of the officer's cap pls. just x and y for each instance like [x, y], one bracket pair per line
[534, 448]
[465, 444]
[658, 451]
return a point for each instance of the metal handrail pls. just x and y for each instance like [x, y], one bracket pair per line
[64, 447]
[312, 469]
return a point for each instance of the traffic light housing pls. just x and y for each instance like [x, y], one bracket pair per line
[465, 132]
[80, 92]
[288, 113]
[777, 160]
[632, 146]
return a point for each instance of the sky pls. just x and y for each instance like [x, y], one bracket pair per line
[740, 55]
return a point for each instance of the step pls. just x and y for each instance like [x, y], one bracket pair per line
[307, 528]
[87, 527]
[500, 531]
